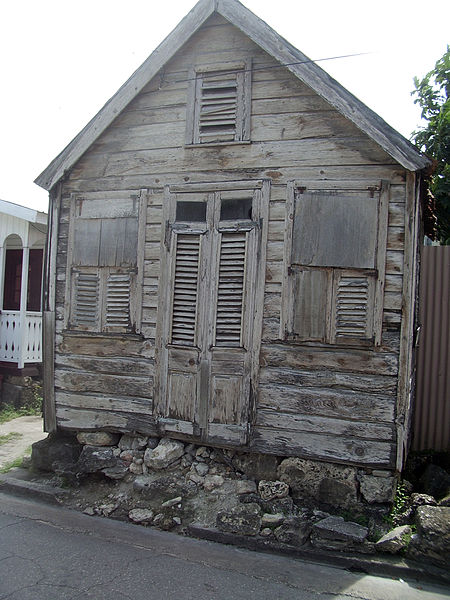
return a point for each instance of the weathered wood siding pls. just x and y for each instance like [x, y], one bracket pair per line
[314, 400]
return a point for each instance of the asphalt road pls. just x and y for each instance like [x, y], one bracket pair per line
[52, 553]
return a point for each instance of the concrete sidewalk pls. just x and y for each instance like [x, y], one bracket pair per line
[28, 429]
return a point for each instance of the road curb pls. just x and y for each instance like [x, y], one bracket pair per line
[18, 487]
[394, 567]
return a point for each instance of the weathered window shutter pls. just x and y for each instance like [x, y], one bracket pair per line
[219, 105]
[335, 229]
[230, 289]
[86, 298]
[185, 290]
[335, 265]
[311, 303]
[353, 303]
[103, 260]
[117, 302]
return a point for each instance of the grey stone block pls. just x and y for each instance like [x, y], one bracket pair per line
[335, 528]
[98, 438]
[96, 458]
[293, 531]
[244, 520]
[394, 540]
[55, 450]
[377, 489]
[165, 454]
[328, 483]
[433, 528]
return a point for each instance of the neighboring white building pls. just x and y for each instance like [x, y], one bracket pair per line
[22, 241]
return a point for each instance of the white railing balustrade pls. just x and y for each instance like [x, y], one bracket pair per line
[20, 342]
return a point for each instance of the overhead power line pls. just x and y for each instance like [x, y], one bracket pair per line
[277, 66]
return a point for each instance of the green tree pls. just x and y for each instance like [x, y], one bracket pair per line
[433, 96]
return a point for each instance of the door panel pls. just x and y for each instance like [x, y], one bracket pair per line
[182, 392]
[226, 399]
[182, 388]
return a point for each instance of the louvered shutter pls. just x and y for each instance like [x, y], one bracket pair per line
[185, 290]
[353, 304]
[117, 304]
[217, 107]
[86, 310]
[230, 290]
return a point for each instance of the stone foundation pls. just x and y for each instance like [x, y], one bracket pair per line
[162, 469]
[275, 501]
[305, 481]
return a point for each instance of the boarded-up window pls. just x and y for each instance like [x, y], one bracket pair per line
[219, 104]
[103, 263]
[335, 230]
[336, 266]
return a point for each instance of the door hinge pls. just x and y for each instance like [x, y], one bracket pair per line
[167, 235]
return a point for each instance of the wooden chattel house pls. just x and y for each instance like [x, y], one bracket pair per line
[232, 255]
[22, 240]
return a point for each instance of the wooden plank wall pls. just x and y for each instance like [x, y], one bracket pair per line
[314, 401]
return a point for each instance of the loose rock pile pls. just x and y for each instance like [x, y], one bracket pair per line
[292, 502]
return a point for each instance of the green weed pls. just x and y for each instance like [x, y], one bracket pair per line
[13, 435]
[17, 462]
[8, 413]
[400, 503]
[11, 465]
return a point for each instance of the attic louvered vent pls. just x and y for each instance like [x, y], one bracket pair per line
[86, 300]
[230, 289]
[118, 300]
[220, 106]
[184, 303]
[352, 306]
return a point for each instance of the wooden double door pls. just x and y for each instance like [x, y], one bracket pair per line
[208, 338]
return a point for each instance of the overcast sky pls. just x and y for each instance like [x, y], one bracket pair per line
[61, 61]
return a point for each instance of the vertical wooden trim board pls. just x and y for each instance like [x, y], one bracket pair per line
[49, 315]
[383, 215]
[139, 289]
[160, 387]
[70, 238]
[407, 330]
[263, 209]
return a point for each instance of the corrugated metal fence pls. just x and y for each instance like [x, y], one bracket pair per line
[431, 428]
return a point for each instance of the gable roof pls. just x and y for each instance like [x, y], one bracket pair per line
[398, 147]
